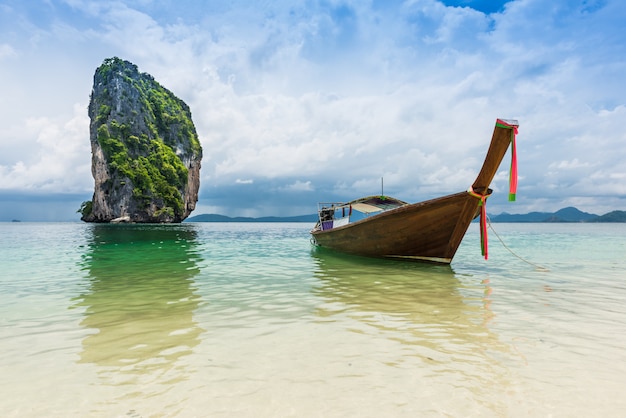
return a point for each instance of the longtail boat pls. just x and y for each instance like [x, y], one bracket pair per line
[432, 230]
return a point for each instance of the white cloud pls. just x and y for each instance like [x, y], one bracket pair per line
[56, 159]
[299, 186]
[6, 51]
[339, 94]
[568, 165]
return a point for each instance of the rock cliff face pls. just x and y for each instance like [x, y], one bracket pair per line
[145, 150]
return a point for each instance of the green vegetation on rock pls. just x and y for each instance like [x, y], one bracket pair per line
[85, 208]
[151, 166]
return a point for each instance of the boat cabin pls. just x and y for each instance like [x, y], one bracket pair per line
[335, 214]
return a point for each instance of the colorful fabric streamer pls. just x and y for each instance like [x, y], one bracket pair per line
[513, 171]
[482, 203]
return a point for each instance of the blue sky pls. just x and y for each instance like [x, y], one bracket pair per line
[297, 102]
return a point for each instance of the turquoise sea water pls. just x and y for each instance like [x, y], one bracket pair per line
[247, 320]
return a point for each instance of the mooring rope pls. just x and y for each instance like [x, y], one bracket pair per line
[537, 266]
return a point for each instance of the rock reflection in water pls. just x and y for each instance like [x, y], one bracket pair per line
[440, 323]
[140, 301]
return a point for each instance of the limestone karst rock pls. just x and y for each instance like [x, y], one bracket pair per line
[146, 154]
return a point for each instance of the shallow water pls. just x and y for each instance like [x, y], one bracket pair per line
[234, 319]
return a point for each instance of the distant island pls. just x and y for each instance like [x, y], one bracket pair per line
[221, 218]
[569, 214]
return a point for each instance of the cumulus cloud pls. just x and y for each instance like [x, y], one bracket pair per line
[57, 160]
[338, 93]
[568, 165]
[6, 51]
[299, 186]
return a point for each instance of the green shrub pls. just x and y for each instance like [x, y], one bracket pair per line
[85, 208]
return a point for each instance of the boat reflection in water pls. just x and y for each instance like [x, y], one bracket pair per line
[421, 318]
[139, 302]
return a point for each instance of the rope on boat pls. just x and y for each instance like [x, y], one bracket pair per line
[537, 266]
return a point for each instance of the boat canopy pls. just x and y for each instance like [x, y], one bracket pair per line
[367, 205]
[373, 204]
[334, 214]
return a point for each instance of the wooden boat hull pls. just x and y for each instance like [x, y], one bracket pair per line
[427, 231]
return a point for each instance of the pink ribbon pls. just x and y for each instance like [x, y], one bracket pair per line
[513, 171]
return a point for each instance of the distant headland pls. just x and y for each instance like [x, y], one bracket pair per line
[569, 214]
[221, 218]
